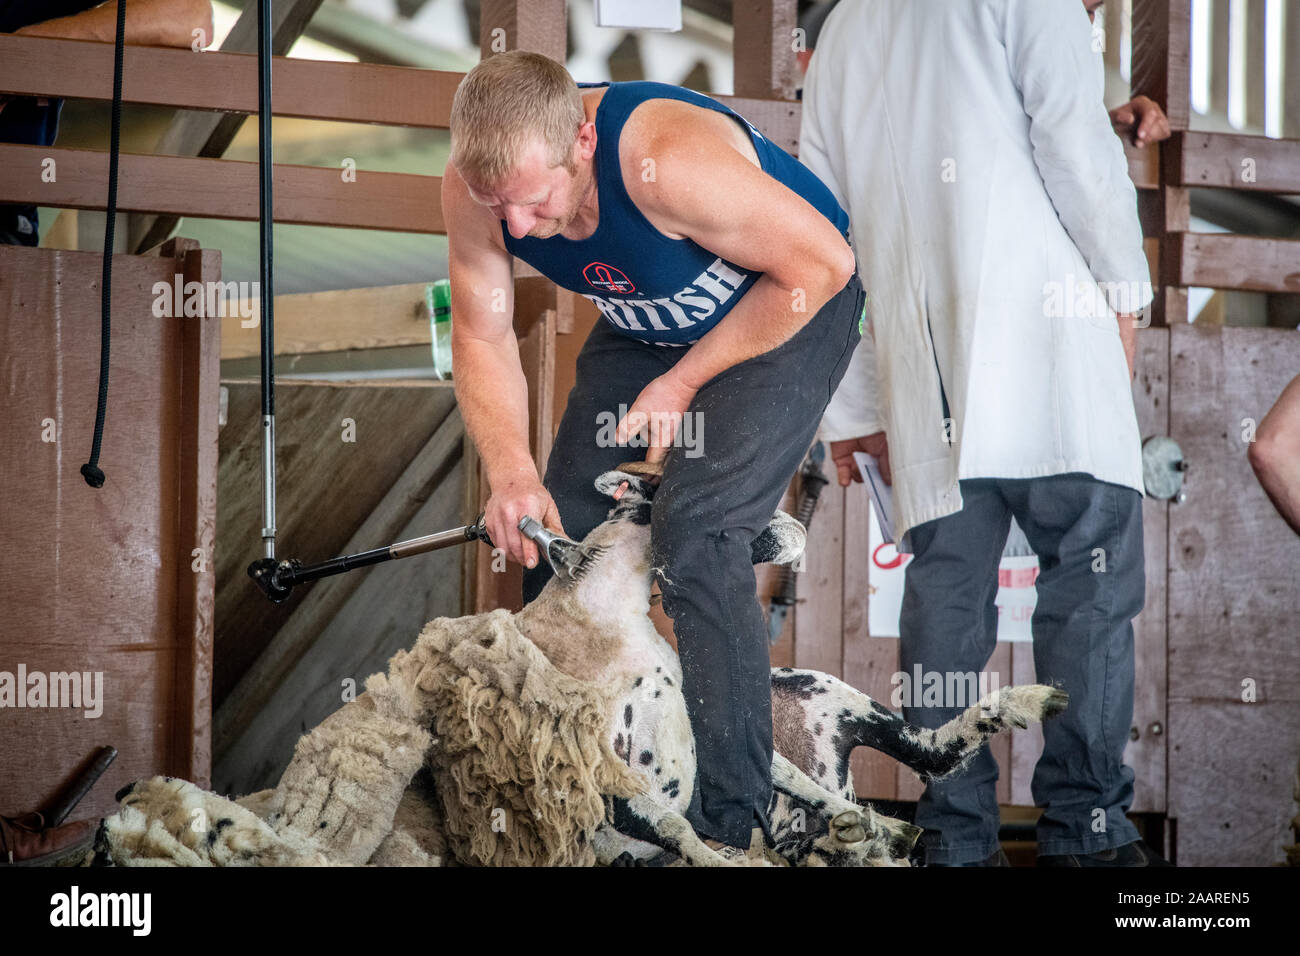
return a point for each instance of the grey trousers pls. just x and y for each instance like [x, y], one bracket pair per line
[754, 423]
[1083, 641]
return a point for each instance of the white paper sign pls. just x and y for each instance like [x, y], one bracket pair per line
[639, 14]
[1017, 572]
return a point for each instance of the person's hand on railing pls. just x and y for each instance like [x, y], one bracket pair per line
[1141, 121]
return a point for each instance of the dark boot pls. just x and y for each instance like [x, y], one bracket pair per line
[26, 841]
[1136, 853]
[999, 858]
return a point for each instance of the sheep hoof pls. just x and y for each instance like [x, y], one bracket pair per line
[849, 827]
[650, 471]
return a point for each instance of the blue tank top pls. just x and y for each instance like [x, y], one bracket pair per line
[662, 291]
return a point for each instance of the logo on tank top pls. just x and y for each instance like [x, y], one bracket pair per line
[705, 298]
[607, 279]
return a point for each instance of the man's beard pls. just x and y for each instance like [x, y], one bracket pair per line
[554, 227]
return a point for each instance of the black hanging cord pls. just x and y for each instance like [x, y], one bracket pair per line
[266, 294]
[266, 216]
[91, 471]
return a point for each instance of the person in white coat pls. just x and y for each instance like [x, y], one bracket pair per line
[997, 234]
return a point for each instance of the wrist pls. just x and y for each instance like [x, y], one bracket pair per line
[509, 473]
[685, 376]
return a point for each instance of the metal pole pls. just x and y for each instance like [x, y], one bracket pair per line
[267, 291]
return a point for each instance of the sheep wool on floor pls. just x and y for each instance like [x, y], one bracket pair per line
[518, 753]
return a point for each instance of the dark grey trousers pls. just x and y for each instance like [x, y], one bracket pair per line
[1083, 641]
[758, 419]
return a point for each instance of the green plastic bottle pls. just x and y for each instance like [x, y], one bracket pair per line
[438, 302]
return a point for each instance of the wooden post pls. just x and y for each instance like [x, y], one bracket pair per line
[1161, 55]
[764, 48]
[537, 25]
[1162, 36]
[200, 351]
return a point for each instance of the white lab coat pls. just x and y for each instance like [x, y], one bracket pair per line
[996, 231]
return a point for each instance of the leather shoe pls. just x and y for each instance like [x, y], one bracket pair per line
[25, 840]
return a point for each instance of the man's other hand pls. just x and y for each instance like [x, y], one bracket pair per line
[842, 454]
[519, 495]
[1141, 121]
[656, 415]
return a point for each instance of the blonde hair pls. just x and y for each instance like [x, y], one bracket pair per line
[506, 102]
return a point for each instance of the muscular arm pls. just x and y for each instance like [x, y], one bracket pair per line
[704, 189]
[148, 23]
[491, 389]
[1275, 454]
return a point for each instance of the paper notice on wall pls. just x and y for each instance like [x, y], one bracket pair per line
[1017, 572]
[639, 15]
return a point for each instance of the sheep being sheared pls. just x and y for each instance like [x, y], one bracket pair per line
[593, 623]
[553, 736]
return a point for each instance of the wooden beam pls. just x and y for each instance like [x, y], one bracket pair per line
[764, 48]
[196, 463]
[1244, 263]
[373, 318]
[1229, 161]
[380, 317]
[182, 78]
[207, 134]
[222, 189]
[537, 355]
[537, 25]
[1162, 31]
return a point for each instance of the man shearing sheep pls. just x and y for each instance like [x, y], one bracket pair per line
[728, 293]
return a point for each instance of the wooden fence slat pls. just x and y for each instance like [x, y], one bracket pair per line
[196, 577]
[819, 625]
[212, 80]
[1229, 161]
[1147, 754]
[335, 321]
[1224, 261]
[869, 662]
[221, 189]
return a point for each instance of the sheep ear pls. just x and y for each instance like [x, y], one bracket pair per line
[781, 542]
[637, 488]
